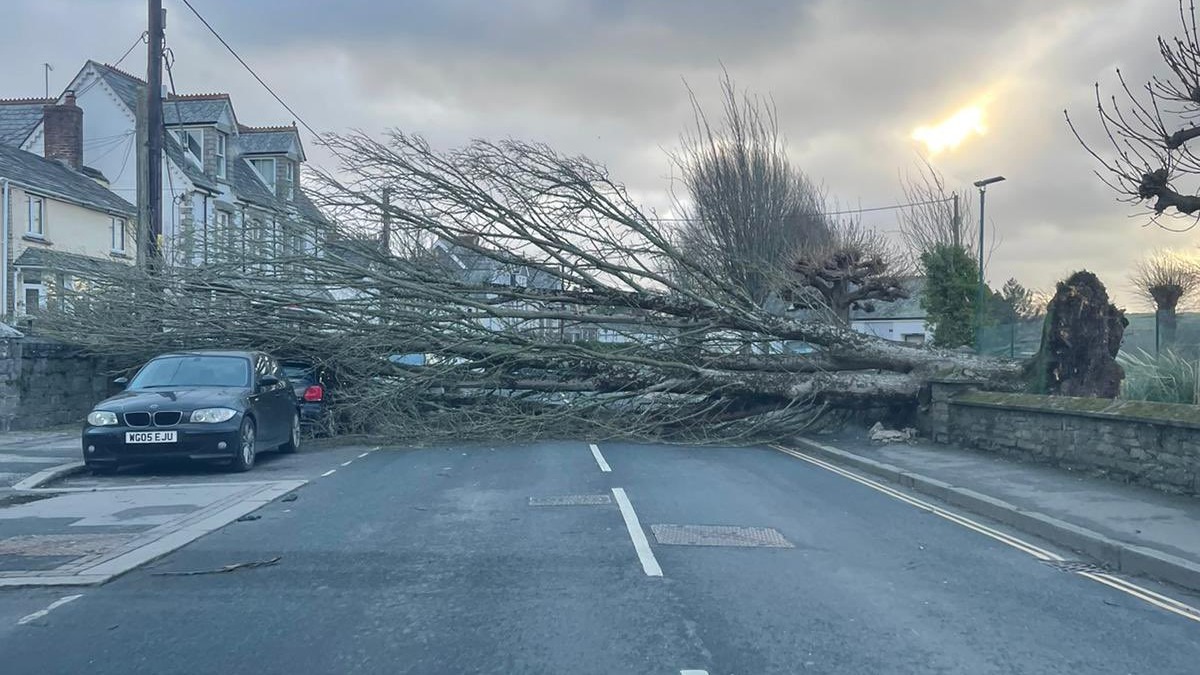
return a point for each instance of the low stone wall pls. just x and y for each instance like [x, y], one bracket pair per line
[1152, 444]
[46, 384]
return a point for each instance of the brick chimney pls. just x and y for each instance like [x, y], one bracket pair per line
[63, 129]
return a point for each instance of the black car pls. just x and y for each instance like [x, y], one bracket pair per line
[204, 405]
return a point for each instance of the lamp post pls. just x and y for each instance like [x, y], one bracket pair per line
[982, 185]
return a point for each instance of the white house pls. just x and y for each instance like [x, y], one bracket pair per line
[901, 320]
[57, 216]
[225, 185]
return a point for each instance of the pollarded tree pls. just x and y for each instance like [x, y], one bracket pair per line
[1165, 278]
[856, 269]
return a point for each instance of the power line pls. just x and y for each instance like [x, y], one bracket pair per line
[141, 39]
[250, 70]
[840, 213]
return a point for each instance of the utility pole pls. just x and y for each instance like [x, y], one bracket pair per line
[386, 234]
[957, 235]
[154, 133]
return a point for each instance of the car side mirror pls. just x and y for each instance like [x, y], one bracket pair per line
[121, 381]
[268, 381]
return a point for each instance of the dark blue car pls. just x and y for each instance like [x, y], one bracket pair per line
[204, 405]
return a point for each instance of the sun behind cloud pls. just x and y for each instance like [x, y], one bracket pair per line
[952, 131]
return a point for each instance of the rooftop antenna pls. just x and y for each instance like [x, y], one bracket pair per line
[48, 68]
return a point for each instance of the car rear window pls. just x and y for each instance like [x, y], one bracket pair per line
[193, 371]
[298, 374]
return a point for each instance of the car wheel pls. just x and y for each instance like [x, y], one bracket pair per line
[247, 440]
[293, 442]
[103, 469]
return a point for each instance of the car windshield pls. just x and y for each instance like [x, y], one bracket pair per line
[193, 371]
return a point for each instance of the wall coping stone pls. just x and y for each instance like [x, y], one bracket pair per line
[1166, 414]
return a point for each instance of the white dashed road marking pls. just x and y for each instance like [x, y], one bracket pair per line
[600, 459]
[363, 455]
[645, 555]
[329, 473]
[347, 462]
[693, 672]
[49, 608]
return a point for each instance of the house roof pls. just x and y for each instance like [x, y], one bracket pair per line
[58, 180]
[476, 268]
[907, 308]
[18, 117]
[127, 87]
[206, 109]
[63, 261]
[194, 109]
[269, 141]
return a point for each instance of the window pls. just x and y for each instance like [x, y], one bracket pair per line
[289, 175]
[32, 298]
[116, 230]
[220, 155]
[218, 236]
[36, 224]
[33, 291]
[192, 141]
[265, 168]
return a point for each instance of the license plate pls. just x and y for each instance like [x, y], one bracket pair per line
[150, 436]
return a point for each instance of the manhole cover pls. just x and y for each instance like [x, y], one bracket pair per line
[719, 535]
[570, 500]
[1077, 566]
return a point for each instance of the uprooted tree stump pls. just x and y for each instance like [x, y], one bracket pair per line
[1080, 340]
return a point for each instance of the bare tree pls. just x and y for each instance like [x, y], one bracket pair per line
[748, 209]
[932, 219]
[463, 330]
[1165, 278]
[1149, 129]
[856, 269]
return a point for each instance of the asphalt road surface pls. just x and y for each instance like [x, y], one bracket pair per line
[436, 561]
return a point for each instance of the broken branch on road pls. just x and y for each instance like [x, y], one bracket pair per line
[221, 570]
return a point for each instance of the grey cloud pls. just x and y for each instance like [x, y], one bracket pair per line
[850, 78]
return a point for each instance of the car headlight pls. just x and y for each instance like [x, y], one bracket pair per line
[102, 418]
[213, 415]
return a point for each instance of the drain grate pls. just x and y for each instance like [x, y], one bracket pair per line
[719, 535]
[570, 500]
[1077, 566]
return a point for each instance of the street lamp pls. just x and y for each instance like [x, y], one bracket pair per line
[982, 185]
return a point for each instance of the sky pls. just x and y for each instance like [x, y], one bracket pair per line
[852, 81]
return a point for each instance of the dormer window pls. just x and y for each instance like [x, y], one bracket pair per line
[192, 141]
[289, 175]
[220, 155]
[265, 168]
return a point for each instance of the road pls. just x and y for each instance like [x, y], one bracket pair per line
[435, 561]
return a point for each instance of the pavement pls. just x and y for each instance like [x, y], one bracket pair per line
[25, 453]
[80, 530]
[1125, 527]
[560, 557]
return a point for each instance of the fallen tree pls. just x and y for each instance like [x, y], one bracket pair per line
[520, 294]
